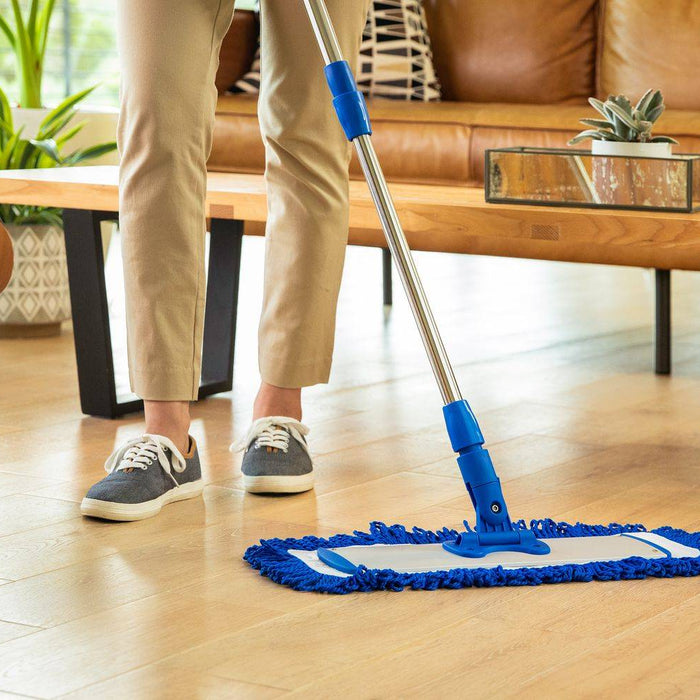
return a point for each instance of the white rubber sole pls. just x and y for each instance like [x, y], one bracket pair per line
[279, 484]
[127, 512]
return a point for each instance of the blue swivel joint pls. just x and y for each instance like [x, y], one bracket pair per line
[494, 530]
[348, 101]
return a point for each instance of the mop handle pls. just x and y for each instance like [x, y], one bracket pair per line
[352, 112]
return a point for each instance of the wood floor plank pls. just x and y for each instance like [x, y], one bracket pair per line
[11, 484]
[486, 656]
[20, 513]
[390, 498]
[10, 630]
[664, 655]
[46, 664]
[519, 456]
[146, 560]
[291, 650]
[339, 469]
[158, 680]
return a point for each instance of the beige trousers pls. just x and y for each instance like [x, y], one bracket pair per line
[169, 56]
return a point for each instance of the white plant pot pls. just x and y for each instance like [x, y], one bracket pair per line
[101, 128]
[29, 118]
[37, 299]
[632, 150]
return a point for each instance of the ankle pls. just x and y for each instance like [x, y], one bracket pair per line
[179, 437]
[277, 401]
[169, 419]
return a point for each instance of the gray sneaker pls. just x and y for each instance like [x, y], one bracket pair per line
[276, 458]
[144, 475]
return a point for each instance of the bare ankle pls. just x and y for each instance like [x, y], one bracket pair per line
[277, 401]
[171, 419]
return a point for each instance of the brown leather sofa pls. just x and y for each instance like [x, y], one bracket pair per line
[514, 72]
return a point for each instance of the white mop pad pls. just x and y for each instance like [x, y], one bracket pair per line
[419, 558]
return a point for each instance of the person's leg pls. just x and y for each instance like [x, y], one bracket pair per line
[307, 158]
[307, 177]
[277, 401]
[169, 53]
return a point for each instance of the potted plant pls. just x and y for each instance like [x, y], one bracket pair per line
[27, 35]
[625, 130]
[625, 133]
[36, 300]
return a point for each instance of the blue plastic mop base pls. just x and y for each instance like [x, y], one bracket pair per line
[273, 559]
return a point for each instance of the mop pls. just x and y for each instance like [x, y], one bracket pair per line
[496, 551]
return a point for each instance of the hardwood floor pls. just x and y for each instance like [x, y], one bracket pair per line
[555, 360]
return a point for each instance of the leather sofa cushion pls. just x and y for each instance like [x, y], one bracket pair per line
[418, 142]
[440, 142]
[539, 51]
[502, 126]
[651, 44]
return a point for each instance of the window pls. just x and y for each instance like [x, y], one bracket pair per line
[81, 52]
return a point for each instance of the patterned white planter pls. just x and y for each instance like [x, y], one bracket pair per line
[37, 299]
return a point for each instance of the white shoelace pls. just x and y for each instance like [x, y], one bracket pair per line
[273, 431]
[141, 452]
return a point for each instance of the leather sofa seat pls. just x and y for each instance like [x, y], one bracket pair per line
[439, 143]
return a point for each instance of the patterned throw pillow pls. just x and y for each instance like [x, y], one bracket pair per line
[250, 82]
[396, 57]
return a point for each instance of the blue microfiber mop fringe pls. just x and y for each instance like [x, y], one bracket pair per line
[272, 559]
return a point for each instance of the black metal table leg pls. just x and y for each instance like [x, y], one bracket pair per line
[93, 341]
[222, 306]
[662, 327]
[386, 274]
[88, 295]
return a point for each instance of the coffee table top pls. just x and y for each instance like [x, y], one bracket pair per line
[435, 217]
[229, 195]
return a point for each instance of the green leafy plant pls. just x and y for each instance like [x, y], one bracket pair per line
[623, 122]
[44, 151]
[28, 38]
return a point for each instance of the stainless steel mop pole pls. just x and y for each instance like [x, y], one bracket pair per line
[401, 253]
[494, 530]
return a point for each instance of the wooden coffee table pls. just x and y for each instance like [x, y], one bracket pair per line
[436, 218]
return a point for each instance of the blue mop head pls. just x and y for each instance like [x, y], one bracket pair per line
[273, 559]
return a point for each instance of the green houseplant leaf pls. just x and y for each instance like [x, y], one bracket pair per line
[65, 107]
[27, 39]
[622, 115]
[88, 153]
[645, 100]
[653, 114]
[598, 123]
[623, 122]
[44, 151]
[662, 139]
[598, 105]
[7, 31]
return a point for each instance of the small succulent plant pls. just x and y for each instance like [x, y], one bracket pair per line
[623, 122]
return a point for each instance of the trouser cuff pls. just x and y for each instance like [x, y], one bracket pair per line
[165, 384]
[294, 375]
